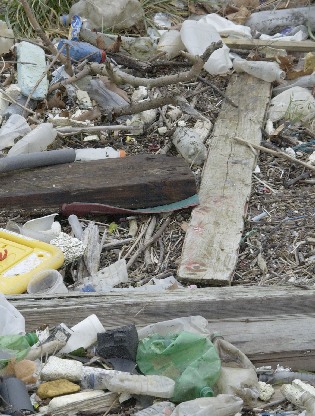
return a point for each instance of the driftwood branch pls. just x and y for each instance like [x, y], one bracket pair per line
[120, 77]
[32, 19]
[276, 154]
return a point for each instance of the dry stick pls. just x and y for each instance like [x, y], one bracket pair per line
[276, 154]
[147, 237]
[66, 130]
[117, 243]
[32, 19]
[155, 237]
[42, 77]
[141, 233]
[205, 81]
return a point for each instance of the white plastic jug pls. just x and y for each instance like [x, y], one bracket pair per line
[197, 37]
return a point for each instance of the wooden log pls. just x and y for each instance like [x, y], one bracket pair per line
[212, 240]
[272, 325]
[291, 46]
[133, 182]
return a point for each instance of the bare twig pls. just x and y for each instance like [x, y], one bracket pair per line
[155, 237]
[117, 243]
[89, 129]
[147, 237]
[276, 154]
[32, 19]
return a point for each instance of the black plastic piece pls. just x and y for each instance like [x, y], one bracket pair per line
[119, 347]
[14, 397]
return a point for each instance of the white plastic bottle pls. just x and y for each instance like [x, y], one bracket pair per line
[222, 405]
[190, 145]
[267, 71]
[84, 334]
[85, 155]
[121, 382]
[197, 36]
[35, 141]
[157, 409]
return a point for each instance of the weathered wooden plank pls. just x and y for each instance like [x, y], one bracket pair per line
[211, 244]
[133, 182]
[271, 325]
[297, 46]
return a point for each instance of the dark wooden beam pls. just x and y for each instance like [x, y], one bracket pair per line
[133, 182]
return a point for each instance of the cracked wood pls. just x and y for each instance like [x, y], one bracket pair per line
[212, 240]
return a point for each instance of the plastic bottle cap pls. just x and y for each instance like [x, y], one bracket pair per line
[206, 392]
[31, 338]
[122, 153]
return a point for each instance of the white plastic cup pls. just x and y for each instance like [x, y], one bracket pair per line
[84, 334]
[47, 281]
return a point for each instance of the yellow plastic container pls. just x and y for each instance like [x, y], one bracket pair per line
[21, 258]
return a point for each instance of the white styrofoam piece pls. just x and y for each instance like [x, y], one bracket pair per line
[30, 68]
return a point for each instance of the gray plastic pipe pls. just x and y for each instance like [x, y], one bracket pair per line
[34, 160]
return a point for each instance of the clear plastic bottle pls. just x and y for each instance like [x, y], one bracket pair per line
[270, 20]
[35, 141]
[267, 71]
[84, 155]
[308, 81]
[121, 382]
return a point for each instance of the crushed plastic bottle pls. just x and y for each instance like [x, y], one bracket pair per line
[270, 20]
[189, 359]
[15, 347]
[222, 405]
[157, 409]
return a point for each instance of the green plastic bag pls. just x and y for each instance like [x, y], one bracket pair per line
[191, 360]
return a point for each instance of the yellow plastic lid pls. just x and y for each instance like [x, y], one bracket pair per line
[21, 258]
